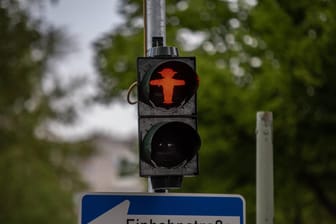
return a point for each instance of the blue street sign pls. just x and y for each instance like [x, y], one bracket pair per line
[150, 208]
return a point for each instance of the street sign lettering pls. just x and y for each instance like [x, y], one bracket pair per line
[146, 208]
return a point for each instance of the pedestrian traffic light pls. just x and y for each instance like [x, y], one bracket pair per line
[167, 115]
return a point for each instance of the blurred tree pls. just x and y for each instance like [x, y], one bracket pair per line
[252, 55]
[37, 176]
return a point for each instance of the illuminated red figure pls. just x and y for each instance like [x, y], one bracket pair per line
[168, 83]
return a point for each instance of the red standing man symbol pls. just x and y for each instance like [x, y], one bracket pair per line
[168, 83]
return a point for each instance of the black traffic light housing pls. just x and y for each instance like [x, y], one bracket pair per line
[167, 116]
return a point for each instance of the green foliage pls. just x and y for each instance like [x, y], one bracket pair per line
[271, 55]
[37, 177]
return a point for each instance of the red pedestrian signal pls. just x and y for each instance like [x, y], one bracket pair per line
[169, 84]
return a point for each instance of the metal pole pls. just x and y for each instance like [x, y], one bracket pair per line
[155, 23]
[264, 168]
[155, 34]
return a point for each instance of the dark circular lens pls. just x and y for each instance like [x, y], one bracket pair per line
[173, 144]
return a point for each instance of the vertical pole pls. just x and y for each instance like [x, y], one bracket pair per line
[154, 33]
[264, 168]
[155, 23]
[155, 45]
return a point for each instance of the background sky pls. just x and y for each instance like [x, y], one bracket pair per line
[85, 21]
